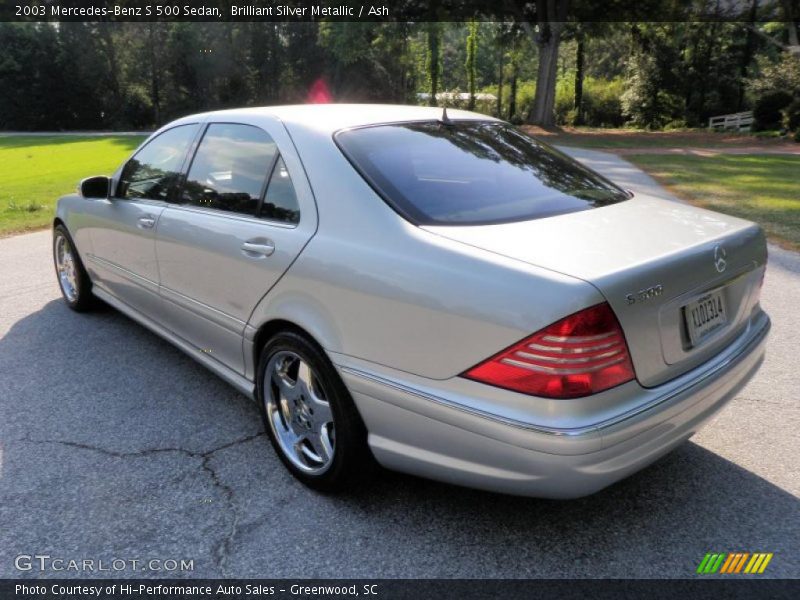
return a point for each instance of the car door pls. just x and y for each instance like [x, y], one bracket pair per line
[242, 216]
[122, 227]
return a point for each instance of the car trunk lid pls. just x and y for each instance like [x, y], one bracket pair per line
[665, 268]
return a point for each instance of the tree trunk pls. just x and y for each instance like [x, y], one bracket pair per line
[434, 40]
[472, 47]
[794, 39]
[706, 73]
[512, 98]
[500, 65]
[791, 25]
[104, 30]
[403, 75]
[579, 80]
[550, 17]
[273, 65]
[747, 55]
[543, 110]
[155, 94]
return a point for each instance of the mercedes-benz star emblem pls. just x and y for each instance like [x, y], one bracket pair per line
[720, 254]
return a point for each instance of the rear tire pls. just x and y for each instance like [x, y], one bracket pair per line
[310, 416]
[76, 287]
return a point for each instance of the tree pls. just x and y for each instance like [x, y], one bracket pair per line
[500, 43]
[155, 40]
[188, 58]
[650, 99]
[367, 60]
[518, 56]
[791, 14]
[782, 75]
[267, 62]
[579, 74]
[746, 56]
[139, 75]
[433, 59]
[472, 47]
[551, 16]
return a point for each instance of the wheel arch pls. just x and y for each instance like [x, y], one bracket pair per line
[80, 250]
[273, 327]
[288, 307]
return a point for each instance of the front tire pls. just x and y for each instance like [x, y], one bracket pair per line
[76, 287]
[309, 415]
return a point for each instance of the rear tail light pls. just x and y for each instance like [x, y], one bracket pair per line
[579, 355]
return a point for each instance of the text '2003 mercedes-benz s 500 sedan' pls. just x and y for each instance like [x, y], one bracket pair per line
[438, 293]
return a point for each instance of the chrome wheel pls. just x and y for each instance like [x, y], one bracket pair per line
[66, 267]
[298, 412]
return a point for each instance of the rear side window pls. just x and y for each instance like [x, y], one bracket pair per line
[280, 203]
[471, 173]
[154, 171]
[230, 168]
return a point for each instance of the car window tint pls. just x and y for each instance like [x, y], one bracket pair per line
[154, 171]
[471, 172]
[280, 202]
[230, 168]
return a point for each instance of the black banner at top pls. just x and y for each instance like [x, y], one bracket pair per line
[393, 10]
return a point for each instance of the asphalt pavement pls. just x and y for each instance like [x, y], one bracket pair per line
[115, 445]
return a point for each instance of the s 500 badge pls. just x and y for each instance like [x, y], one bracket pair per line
[645, 294]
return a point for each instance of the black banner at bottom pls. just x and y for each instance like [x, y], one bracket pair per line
[391, 589]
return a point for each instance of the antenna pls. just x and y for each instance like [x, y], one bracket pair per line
[445, 120]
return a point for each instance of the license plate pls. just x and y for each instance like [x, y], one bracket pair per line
[705, 315]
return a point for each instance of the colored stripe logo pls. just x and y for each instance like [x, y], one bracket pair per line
[734, 562]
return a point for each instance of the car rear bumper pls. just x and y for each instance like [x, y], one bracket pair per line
[414, 431]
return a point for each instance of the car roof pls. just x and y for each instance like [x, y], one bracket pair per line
[333, 117]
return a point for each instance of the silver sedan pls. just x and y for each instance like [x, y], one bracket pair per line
[432, 291]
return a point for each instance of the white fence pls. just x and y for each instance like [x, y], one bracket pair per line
[738, 121]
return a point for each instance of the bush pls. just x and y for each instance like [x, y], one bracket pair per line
[137, 110]
[526, 90]
[780, 76]
[525, 93]
[676, 124]
[565, 98]
[647, 101]
[601, 102]
[767, 110]
[602, 106]
[791, 116]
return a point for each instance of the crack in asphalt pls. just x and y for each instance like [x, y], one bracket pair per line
[223, 547]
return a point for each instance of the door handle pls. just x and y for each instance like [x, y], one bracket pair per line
[265, 248]
[146, 222]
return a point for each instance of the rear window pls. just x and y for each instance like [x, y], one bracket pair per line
[471, 173]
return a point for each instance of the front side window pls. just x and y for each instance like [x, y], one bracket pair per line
[154, 171]
[230, 168]
[471, 173]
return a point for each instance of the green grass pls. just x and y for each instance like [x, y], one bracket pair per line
[762, 188]
[36, 170]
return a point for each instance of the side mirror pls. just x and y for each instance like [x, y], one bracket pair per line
[95, 187]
